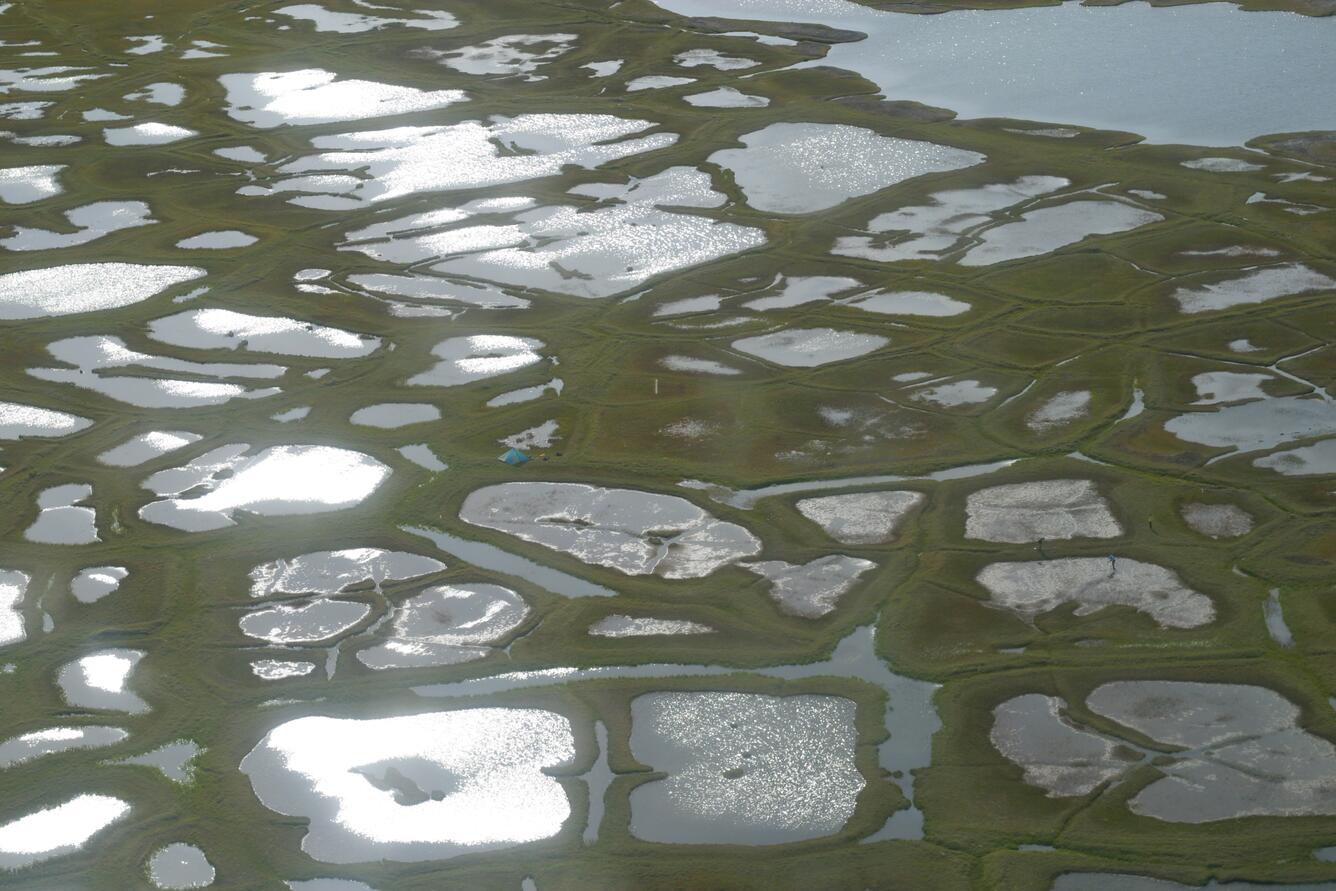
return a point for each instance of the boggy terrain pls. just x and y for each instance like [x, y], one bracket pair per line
[913, 501]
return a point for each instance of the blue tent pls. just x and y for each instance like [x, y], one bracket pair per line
[514, 458]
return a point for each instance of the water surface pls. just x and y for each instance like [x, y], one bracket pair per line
[1204, 74]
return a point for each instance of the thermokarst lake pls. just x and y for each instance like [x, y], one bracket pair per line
[747, 445]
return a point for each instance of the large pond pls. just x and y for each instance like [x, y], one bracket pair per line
[1204, 74]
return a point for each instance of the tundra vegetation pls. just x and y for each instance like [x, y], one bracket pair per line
[914, 500]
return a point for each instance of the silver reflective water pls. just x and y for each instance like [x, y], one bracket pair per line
[102, 114]
[90, 222]
[24, 185]
[745, 499]
[24, 111]
[695, 58]
[726, 97]
[802, 168]
[810, 347]
[799, 290]
[92, 583]
[955, 393]
[618, 245]
[447, 625]
[304, 623]
[1094, 583]
[101, 680]
[159, 93]
[406, 160]
[54, 78]
[1242, 751]
[151, 133]
[280, 669]
[292, 414]
[93, 355]
[174, 760]
[1040, 510]
[85, 287]
[324, 19]
[242, 153]
[606, 68]
[1069, 63]
[526, 394]
[13, 588]
[743, 768]
[638, 533]
[911, 303]
[1053, 752]
[316, 96]
[656, 82]
[423, 292]
[599, 778]
[217, 240]
[60, 829]
[1254, 758]
[1214, 387]
[618, 625]
[332, 572]
[1262, 424]
[513, 54]
[180, 865]
[910, 718]
[1254, 286]
[422, 455]
[1274, 614]
[1049, 228]
[225, 329]
[416, 787]
[860, 518]
[540, 437]
[19, 421]
[391, 415]
[464, 360]
[932, 231]
[61, 517]
[494, 559]
[707, 303]
[1223, 165]
[53, 740]
[144, 447]
[277, 481]
[1317, 459]
[813, 589]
